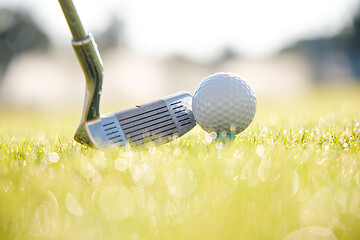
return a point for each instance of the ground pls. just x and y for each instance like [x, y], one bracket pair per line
[293, 174]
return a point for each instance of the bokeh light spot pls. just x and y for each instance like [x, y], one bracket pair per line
[72, 205]
[142, 174]
[181, 182]
[117, 203]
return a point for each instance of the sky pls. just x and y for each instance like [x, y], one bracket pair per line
[200, 29]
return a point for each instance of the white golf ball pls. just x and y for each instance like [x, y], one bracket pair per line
[224, 103]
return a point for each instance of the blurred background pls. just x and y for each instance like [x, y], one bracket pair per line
[282, 48]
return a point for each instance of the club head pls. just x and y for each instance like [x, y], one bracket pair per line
[159, 122]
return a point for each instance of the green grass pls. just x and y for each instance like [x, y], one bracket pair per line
[294, 174]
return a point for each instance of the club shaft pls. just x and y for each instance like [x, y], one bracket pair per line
[77, 30]
[90, 60]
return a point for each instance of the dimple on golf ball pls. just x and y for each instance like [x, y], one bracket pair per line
[224, 103]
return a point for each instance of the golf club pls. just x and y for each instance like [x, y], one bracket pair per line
[159, 122]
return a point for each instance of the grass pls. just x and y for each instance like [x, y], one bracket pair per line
[293, 174]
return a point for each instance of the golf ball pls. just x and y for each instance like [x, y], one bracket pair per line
[224, 103]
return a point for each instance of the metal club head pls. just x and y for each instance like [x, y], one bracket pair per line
[159, 122]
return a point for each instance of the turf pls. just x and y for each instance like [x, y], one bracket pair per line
[293, 174]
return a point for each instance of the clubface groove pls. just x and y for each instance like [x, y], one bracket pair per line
[147, 122]
[180, 114]
[112, 132]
